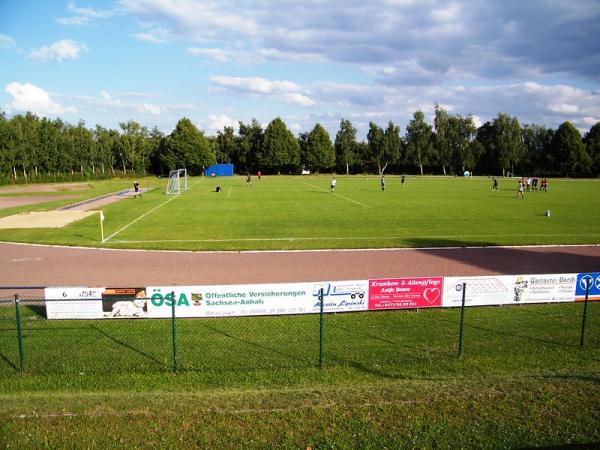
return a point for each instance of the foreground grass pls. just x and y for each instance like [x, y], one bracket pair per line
[300, 213]
[390, 379]
[474, 413]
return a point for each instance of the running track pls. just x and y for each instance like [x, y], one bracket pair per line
[32, 265]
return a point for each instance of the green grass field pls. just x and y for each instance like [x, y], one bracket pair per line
[390, 380]
[300, 213]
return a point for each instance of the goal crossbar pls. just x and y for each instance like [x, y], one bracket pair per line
[178, 181]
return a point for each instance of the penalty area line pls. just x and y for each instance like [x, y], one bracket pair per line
[139, 218]
[337, 195]
[144, 215]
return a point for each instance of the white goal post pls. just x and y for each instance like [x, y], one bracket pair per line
[178, 181]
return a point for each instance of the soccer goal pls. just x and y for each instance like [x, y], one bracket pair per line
[178, 181]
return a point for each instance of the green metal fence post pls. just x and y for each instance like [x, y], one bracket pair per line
[585, 307]
[19, 333]
[321, 335]
[462, 320]
[174, 331]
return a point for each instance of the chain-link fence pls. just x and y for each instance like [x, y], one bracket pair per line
[402, 341]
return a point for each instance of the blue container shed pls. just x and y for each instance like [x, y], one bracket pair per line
[219, 170]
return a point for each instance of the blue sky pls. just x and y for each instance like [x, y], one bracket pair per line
[219, 62]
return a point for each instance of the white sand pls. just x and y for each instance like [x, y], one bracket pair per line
[44, 219]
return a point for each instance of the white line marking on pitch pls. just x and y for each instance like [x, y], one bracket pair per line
[337, 195]
[143, 215]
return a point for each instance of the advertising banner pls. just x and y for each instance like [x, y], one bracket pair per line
[509, 289]
[302, 298]
[73, 303]
[341, 296]
[256, 299]
[95, 303]
[584, 279]
[399, 293]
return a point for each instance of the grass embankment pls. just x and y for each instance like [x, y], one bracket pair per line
[390, 379]
[300, 213]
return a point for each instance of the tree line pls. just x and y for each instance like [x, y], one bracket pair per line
[43, 149]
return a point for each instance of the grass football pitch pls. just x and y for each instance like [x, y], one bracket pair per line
[281, 212]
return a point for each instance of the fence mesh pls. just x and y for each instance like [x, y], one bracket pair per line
[405, 341]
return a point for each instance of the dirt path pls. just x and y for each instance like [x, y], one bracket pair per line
[27, 265]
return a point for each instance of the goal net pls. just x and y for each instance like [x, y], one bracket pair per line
[177, 181]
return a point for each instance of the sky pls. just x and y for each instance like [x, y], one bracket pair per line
[308, 62]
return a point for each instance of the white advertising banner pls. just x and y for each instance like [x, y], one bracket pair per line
[299, 298]
[256, 299]
[73, 303]
[95, 303]
[510, 289]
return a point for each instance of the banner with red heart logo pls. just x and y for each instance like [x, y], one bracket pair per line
[400, 293]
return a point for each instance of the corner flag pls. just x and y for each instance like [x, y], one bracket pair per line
[101, 226]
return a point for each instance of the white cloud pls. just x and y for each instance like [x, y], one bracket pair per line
[215, 54]
[447, 13]
[448, 40]
[299, 99]
[255, 84]
[83, 16]
[155, 35]
[219, 122]
[287, 91]
[6, 41]
[563, 108]
[530, 102]
[28, 97]
[60, 51]
[193, 19]
[147, 108]
[295, 56]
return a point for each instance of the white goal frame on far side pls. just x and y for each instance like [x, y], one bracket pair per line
[178, 181]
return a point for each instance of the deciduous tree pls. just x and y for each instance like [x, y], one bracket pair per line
[345, 146]
[592, 146]
[317, 150]
[280, 149]
[568, 153]
[419, 140]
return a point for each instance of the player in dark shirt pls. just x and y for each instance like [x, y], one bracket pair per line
[136, 189]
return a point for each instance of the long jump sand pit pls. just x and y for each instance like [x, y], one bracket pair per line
[61, 217]
[44, 219]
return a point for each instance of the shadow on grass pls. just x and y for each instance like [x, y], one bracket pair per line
[359, 333]
[511, 334]
[257, 345]
[39, 310]
[8, 361]
[126, 345]
[586, 378]
[362, 367]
